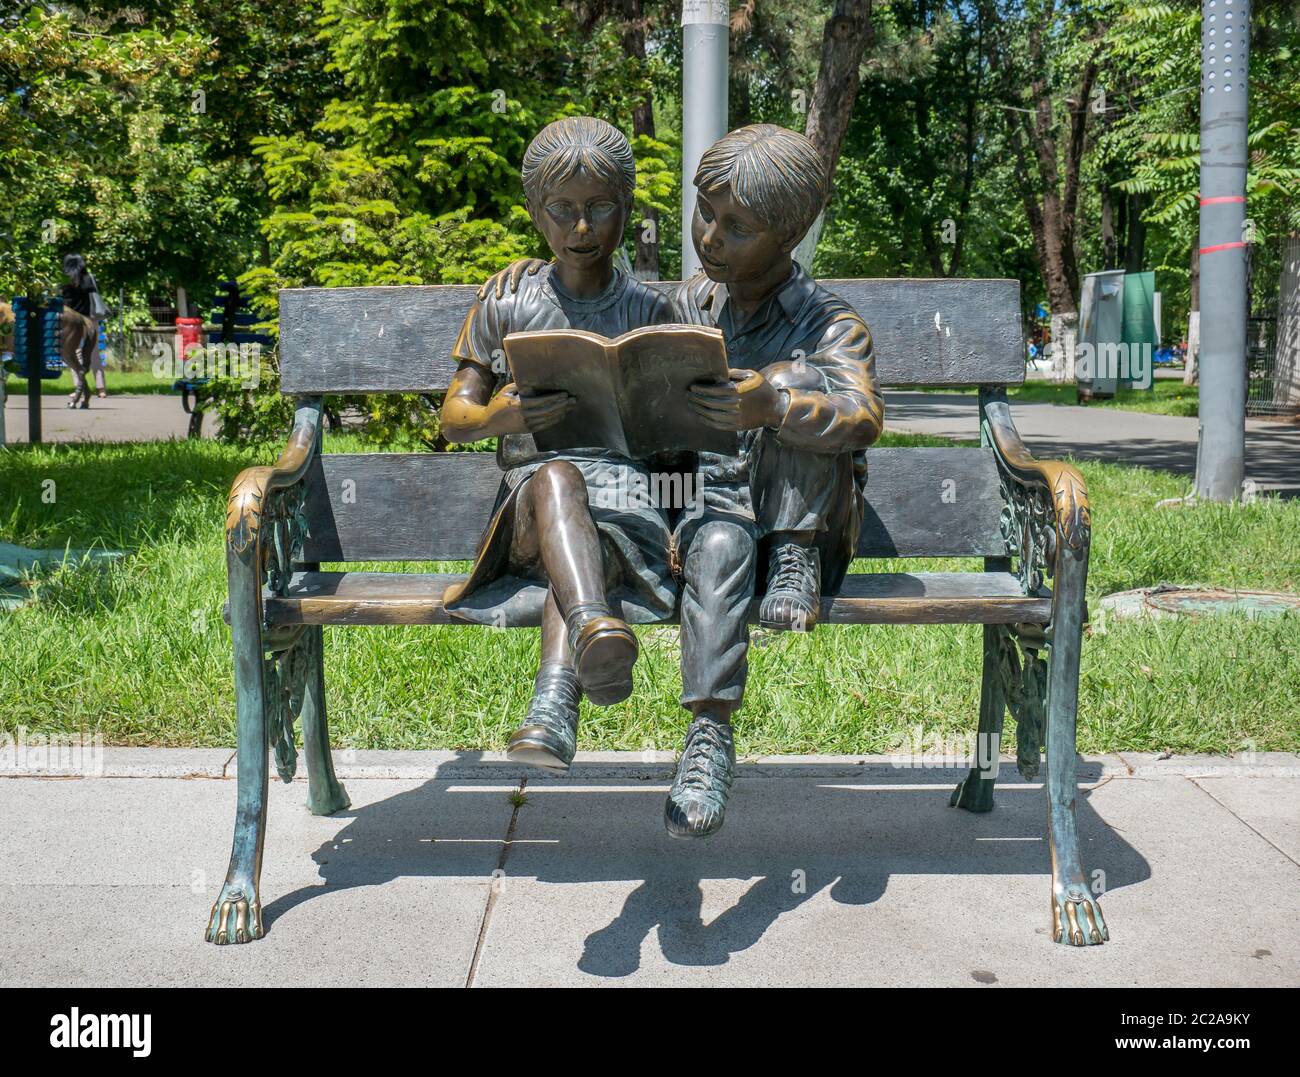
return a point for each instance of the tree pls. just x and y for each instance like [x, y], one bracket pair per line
[1155, 139]
[919, 132]
[1056, 63]
[126, 132]
[845, 38]
[411, 174]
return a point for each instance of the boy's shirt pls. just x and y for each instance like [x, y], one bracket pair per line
[801, 320]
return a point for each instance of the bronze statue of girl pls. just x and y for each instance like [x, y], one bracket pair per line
[575, 537]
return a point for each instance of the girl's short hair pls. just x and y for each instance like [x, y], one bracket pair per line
[777, 174]
[578, 142]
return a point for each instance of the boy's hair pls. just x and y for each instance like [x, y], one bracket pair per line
[578, 142]
[773, 172]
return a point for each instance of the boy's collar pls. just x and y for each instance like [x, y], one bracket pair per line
[792, 295]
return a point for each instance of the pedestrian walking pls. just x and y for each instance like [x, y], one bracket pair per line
[83, 307]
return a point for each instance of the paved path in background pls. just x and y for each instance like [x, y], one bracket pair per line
[147, 417]
[829, 871]
[1127, 437]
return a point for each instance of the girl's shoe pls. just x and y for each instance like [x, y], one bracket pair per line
[604, 652]
[548, 736]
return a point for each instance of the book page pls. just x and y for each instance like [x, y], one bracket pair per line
[656, 365]
[576, 362]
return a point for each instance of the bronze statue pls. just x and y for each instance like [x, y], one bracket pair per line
[588, 562]
[803, 400]
[804, 397]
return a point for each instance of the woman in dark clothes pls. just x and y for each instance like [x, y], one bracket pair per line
[78, 326]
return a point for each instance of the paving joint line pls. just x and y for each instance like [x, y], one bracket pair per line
[498, 873]
[1197, 782]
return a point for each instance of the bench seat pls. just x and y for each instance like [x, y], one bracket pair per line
[389, 598]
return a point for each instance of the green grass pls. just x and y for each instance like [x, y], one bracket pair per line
[138, 651]
[129, 382]
[1165, 397]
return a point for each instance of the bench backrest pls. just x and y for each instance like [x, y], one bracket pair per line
[399, 340]
[924, 502]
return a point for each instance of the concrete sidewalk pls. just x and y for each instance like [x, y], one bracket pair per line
[1167, 442]
[830, 870]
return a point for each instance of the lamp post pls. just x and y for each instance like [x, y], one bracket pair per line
[1225, 42]
[704, 101]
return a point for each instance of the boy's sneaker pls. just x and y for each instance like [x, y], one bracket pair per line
[697, 802]
[793, 598]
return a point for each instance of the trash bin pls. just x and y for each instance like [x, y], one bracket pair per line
[189, 336]
[1101, 331]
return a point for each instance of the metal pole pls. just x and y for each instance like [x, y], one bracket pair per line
[35, 363]
[1225, 40]
[704, 101]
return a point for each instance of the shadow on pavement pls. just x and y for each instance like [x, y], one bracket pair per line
[796, 837]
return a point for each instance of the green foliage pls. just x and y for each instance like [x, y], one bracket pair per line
[411, 175]
[125, 134]
[924, 186]
[1154, 139]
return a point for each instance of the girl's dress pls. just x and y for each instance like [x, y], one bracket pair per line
[635, 532]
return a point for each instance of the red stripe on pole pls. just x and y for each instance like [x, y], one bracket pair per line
[1221, 247]
[1223, 198]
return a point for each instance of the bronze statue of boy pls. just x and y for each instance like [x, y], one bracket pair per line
[804, 398]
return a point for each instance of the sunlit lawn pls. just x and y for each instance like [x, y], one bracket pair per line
[128, 382]
[139, 651]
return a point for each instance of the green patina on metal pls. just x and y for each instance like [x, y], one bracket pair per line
[1048, 529]
[279, 674]
[19, 565]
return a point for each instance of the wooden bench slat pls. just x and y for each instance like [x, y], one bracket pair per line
[936, 502]
[391, 598]
[399, 339]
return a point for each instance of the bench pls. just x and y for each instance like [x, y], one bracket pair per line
[1028, 520]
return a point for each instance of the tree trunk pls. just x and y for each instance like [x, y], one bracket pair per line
[646, 266]
[1286, 376]
[1109, 248]
[1135, 251]
[1192, 358]
[844, 40]
[1050, 191]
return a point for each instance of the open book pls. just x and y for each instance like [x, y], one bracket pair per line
[630, 391]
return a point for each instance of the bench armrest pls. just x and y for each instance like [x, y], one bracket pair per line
[258, 506]
[1047, 521]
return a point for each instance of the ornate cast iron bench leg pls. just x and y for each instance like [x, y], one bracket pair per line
[1076, 914]
[975, 791]
[279, 673]
[325, 794]
[237, 913]
[1048, 529]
